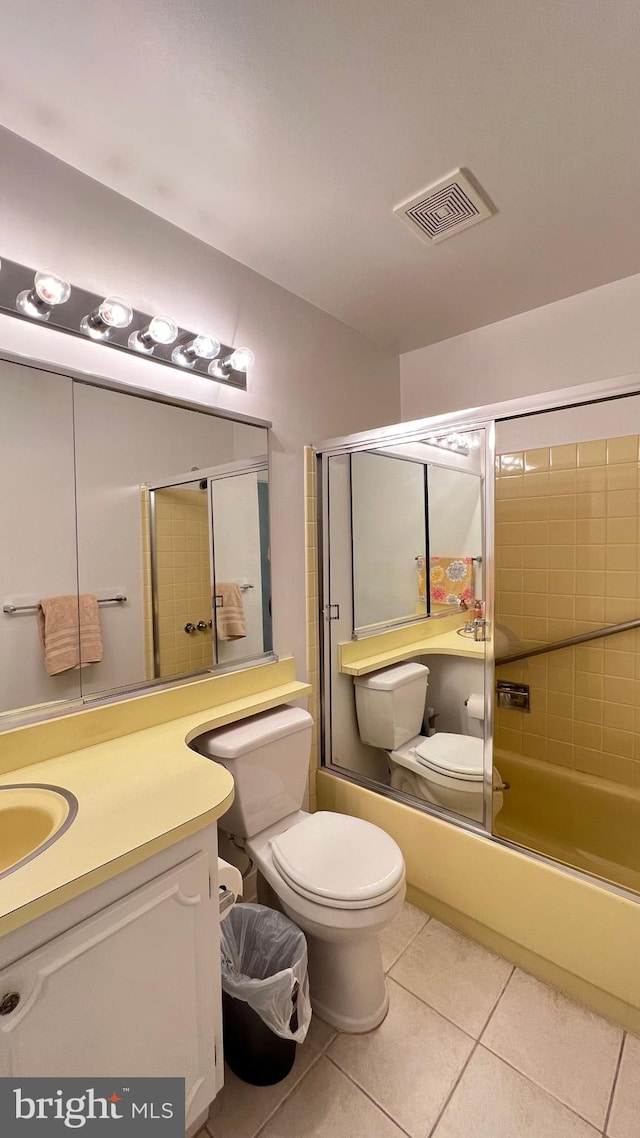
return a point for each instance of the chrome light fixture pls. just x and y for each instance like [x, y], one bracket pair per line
[200, 348]
[48, 291]
[48, 298]
[113, 312]
[160, 330]
[238, 360]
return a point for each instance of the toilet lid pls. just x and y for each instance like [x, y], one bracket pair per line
[457, 756]
[339, 859]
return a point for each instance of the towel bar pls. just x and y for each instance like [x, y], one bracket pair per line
[11, 609]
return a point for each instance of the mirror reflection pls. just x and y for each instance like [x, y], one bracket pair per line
[406, 638]
[136, 540]
[416, 532]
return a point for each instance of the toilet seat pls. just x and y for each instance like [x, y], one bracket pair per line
[339, 861]
[455, 756]
[434, 764]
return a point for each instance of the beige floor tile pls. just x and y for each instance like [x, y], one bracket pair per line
[409, 1064]
[494, 1101]
[624, 1121]
[320, 1034]
[240, 1109]
[454, 975]
[327, 1104]
[562, 1046]
[400, 933]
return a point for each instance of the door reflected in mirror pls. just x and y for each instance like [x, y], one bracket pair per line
[139, 528]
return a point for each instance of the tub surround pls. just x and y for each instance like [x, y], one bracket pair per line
[140, 788]
[564, 929]
[438, 637]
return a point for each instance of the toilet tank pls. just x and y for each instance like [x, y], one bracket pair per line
[268, 756]
[390, 704]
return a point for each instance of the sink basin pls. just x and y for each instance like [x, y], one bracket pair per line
[32, 817]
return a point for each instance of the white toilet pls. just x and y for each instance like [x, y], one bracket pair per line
[446, 769]
[340, 879]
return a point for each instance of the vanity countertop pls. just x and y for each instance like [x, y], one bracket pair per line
[354, 660]
[138, 793]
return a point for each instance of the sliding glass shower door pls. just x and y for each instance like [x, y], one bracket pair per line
[567, 636]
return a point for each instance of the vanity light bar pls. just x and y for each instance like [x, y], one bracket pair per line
[111, 321]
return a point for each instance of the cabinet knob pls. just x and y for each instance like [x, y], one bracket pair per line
[9, 1003]
[202, 625]
[190, 627]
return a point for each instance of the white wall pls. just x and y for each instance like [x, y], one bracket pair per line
[37, 527]
[455, 528]
[591, 336]
[314, 377]
[236, 534]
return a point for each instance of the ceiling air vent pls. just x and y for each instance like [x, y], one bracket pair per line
[446, 208]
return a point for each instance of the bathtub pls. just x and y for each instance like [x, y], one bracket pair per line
[582, 820]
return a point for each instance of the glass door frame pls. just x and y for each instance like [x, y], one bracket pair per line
[411, 431]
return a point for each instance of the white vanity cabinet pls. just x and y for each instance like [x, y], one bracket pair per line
[133, 989]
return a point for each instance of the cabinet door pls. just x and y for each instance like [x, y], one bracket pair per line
[128, 992]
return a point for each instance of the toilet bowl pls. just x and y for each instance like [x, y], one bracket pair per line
[445, 769]
[340, 879]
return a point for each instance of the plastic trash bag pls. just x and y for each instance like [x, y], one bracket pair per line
[264, 963]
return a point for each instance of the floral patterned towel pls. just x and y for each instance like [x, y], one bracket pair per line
[451, 580]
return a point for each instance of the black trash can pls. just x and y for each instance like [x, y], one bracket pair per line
[265, 993]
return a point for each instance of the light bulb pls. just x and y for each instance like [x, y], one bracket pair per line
[200, 348]
[113, 312]
[48, 291]
[239, 360]
[160, 330]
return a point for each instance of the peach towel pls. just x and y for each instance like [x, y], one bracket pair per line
[230, 622]
[63, 647]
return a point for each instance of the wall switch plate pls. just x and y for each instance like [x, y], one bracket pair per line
[513, 696]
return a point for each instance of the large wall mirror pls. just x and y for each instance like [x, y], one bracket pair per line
[135, 541]
[404, 641]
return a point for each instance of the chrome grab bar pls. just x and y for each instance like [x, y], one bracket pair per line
[598, 634]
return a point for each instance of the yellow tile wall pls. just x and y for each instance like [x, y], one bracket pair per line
[184, 580]
[566, 563]
[313, 652]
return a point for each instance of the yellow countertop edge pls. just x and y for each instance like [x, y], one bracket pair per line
[50, 901]
[176, 732]
[35, 742]
[440, 645]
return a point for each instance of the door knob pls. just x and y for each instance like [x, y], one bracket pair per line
[9, 1003]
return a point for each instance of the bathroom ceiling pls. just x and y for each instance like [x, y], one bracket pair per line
[284, 132]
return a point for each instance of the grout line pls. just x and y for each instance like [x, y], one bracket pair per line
[432, 1009]
[540, 1087]
[408, 945]
[476, 1044]
[615, 1082]
[495, 1006]
[368, 1095]
[454, 1088]
[276, 1108]
[293, 1088]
